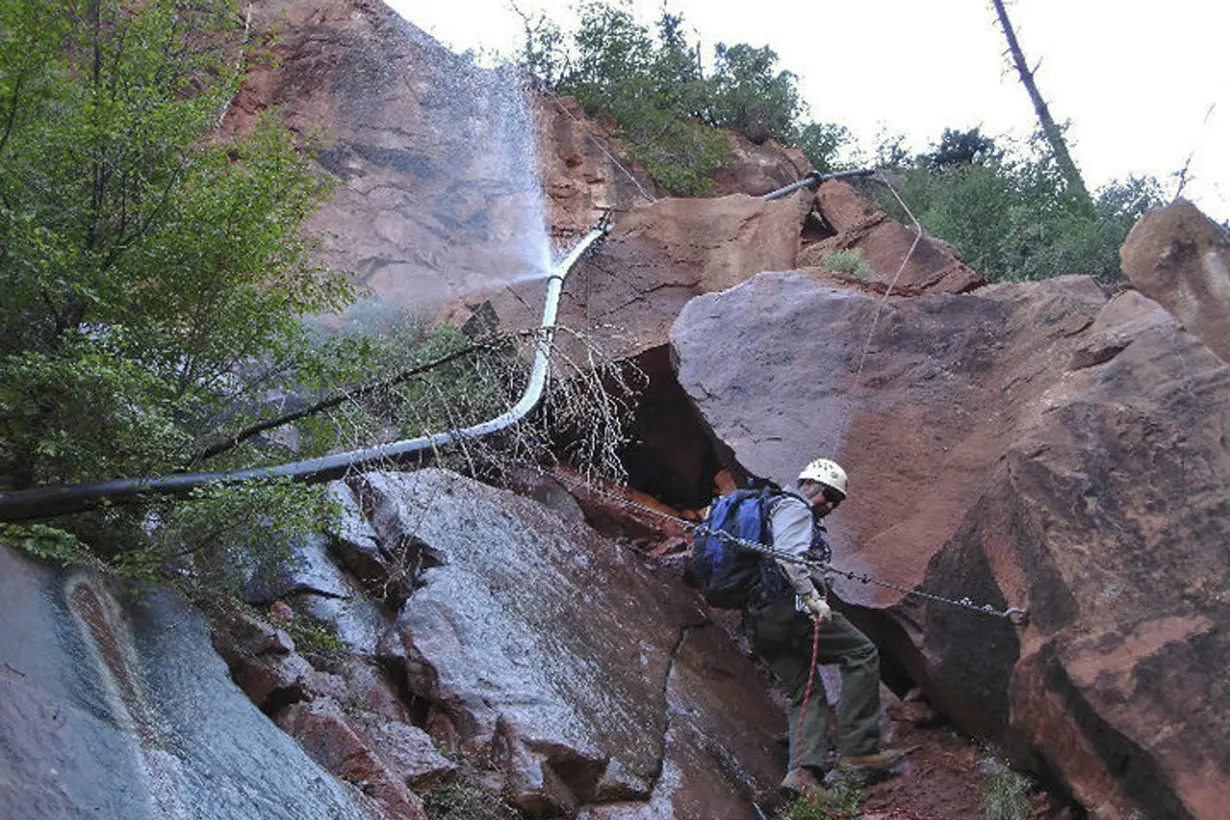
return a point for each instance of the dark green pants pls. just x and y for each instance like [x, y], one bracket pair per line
[783, 638]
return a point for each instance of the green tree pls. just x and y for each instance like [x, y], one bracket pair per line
[751, 96]
[1013, 215]
[822, 142]
[152, 273]
[652, 88]
[958, 148]
[668, 114]
[611, 70]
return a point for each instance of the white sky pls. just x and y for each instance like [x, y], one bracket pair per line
[1145, 84]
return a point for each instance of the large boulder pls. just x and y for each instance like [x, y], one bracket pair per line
[120, 708]
[893, 254]
[1181, 258]
[624, 295]
[1026, 445]
[758, 169]
[574, 674]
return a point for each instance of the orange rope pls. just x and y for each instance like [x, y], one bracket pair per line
[811, 679]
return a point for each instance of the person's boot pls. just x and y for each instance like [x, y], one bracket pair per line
[877, 766]
[801, 781]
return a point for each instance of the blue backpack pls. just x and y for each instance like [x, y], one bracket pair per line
[731, 576]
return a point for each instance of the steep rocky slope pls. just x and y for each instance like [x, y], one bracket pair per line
[1046, 445]
[1001, 438]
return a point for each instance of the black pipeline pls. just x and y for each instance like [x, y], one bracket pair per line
[46, 502]
[813, 180]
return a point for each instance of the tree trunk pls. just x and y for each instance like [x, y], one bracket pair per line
[1050, 131]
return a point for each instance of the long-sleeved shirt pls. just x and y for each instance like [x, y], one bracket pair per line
[793, 524]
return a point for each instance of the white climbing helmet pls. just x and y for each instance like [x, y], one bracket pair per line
[827, 472]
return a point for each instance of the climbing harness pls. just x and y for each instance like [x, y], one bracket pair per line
[1016, 616]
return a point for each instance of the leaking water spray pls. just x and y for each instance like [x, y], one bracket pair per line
[45, 502]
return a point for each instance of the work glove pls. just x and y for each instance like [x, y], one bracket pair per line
[817, 607]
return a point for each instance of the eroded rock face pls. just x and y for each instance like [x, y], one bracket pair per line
[1028, 445]
[756, 170]
[439, 189]
[334, 741]
[583, 175]
[1181, 258]
[111, 709]
[625, 294]
[885, 246]
[453, 180]
[560, 659]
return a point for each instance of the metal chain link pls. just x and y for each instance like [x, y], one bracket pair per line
[1018, 617]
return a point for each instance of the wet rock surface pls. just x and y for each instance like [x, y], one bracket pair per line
[112, 709]
[438, 192]
[1030, 445]
[451, 178]
[335, 742]
[1034, 445]
[566, 663]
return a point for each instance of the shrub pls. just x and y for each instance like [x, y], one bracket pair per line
[668, 114]
[1007, 797]
[461, 800]
[841, 800]
[1010, 213]
[153, 274]
[851, 262]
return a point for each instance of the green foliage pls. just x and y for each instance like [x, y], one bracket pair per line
[958, 148]
[1011, 214]
[891, 150]
[682, 158]
[851, 262]
[388, 339]
[141, 264]
[822, 142]
[41, 541]
[1007, 796]
[315, 639]
[652, 88]
[751, 96]
[668, 114]
[459, 800]
[543, 50]
[224, 534]
[841, 800]
[153, 274]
